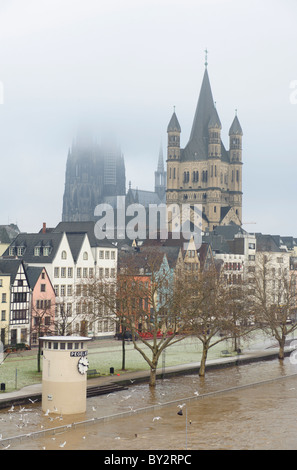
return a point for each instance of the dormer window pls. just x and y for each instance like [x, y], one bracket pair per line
[45, 250]
[11, 251]
[37, 251]
[20, 250]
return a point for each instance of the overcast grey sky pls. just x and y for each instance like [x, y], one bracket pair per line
[122, 65]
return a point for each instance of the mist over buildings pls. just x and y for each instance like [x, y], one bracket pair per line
[117, 69]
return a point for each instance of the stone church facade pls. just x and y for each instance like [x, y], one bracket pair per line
[204, 172]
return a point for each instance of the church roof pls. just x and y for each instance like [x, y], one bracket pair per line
[235, 128]
[173, 124]
[197, 147]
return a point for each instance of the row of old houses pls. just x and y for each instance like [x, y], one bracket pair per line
[42, 274]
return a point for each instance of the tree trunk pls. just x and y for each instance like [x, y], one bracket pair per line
[203, 361]
[153, 377]
[281, 352]
[123, 353]
[38, 356]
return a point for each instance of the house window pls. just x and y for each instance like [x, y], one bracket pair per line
[3, 315]
[42, 287]
[112, 254]
[78, 272]
[3, 298]
[63, 272]
[101, 254]
[37, 251]
[85, 272]
[85, 255]
[56, 272]
[107, 255]
[11, 251]
[46, 251]
[64, 254]
[20, 297]
[56, 289]
[20, 251]
[62, 291]
[69, 291]
[70, 272]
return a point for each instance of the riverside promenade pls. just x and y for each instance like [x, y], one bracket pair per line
[34, 392]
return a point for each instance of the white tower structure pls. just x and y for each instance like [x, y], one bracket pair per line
[64, 374]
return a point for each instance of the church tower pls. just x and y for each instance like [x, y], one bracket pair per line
[204, 172]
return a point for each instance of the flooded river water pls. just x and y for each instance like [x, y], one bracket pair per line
[259, 416]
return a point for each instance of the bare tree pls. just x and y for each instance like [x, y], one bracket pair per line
[215, 311]
[143, 301]
[43, 321]
[272, 297]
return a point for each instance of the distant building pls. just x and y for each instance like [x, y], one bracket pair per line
[93, 172]
[7, 234]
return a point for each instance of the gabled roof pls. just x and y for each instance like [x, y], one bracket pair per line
[10, 266]
[75, 241]
[33, 274]
[266, 243]
[81, 228]
[32, 240]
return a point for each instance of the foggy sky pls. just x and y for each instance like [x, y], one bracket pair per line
[121, 66]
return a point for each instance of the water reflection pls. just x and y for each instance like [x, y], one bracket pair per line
[257, 417]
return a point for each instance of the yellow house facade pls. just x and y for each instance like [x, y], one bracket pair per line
[4, 307]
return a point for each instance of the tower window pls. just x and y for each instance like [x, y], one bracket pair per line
[186, 176]
[195, 176]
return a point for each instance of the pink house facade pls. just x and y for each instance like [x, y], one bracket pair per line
[43, 304]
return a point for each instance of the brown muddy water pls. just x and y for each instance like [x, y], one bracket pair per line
[247, 415]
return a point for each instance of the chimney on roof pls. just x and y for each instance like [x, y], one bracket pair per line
[44, 227]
